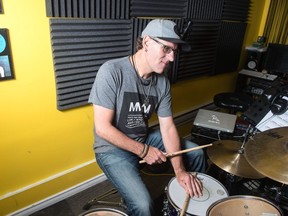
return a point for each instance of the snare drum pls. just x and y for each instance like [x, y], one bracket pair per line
[103, 212]
[213, 190]
[243, 205]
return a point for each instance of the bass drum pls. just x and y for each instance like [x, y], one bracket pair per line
[243, 205]
[103, 212]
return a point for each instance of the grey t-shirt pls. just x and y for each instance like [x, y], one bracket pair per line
[118, 87]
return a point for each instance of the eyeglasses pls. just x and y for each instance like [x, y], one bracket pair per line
[166, 49]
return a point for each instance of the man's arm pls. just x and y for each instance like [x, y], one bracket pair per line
[103, 118]
[171, 141]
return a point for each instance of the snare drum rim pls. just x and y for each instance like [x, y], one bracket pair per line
[249, 197]
[198, 174]
[103, 209]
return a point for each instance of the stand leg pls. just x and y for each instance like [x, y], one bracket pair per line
[95, 200]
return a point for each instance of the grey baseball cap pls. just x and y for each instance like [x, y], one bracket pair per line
[166, 30]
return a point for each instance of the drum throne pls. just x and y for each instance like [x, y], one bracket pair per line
[233, 102]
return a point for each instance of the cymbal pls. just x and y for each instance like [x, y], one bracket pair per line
[267, 152]
[226, 154]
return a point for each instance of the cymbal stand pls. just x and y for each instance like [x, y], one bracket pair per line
[230, 178]
[241, 150]
[226, 178]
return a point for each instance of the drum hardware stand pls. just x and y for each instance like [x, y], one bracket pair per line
[223, 176]
[97, 200]
[166, 206]
[277, 193]
[165, 210]
[241, 150]
[121, 204]
[230, 178]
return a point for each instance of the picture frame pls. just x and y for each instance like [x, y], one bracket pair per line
[1, 7]
[6, 67]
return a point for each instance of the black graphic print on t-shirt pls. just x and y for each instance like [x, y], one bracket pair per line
[134, 114]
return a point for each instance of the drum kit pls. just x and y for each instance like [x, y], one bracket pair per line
[264, 155]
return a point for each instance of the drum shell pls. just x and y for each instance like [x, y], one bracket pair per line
[243, 205]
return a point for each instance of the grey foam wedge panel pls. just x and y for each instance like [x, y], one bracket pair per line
[205, 9]
[229, 46]
[201, 60]
[102, 9]
[236, 10]
[80, 47]
[159, 8]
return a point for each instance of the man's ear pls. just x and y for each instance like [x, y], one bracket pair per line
[145, 42]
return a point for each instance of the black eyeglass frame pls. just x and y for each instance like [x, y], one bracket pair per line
[166, 49]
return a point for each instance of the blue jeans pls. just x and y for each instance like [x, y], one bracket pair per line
[122, 169]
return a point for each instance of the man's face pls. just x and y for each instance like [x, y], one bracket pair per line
[160, 53]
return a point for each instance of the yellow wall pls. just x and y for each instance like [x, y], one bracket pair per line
[44, 151]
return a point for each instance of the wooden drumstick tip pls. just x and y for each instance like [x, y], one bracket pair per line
[185, 205]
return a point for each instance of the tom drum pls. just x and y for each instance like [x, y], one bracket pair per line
[243, 205]
[213, 190]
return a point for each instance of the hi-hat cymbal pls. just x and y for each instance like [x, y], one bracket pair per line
[267, 152]
[226, 154]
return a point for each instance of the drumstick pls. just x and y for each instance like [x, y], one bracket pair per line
[187, 150]
[182, 151]
[187, 199]
[185, 204]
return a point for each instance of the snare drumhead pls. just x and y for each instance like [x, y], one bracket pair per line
[243, 205]
[103, 212]
[213, 190]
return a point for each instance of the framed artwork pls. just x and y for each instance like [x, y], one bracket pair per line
[1, 7]
[6, 67]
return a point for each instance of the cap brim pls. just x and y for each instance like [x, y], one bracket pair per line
[182, 45]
